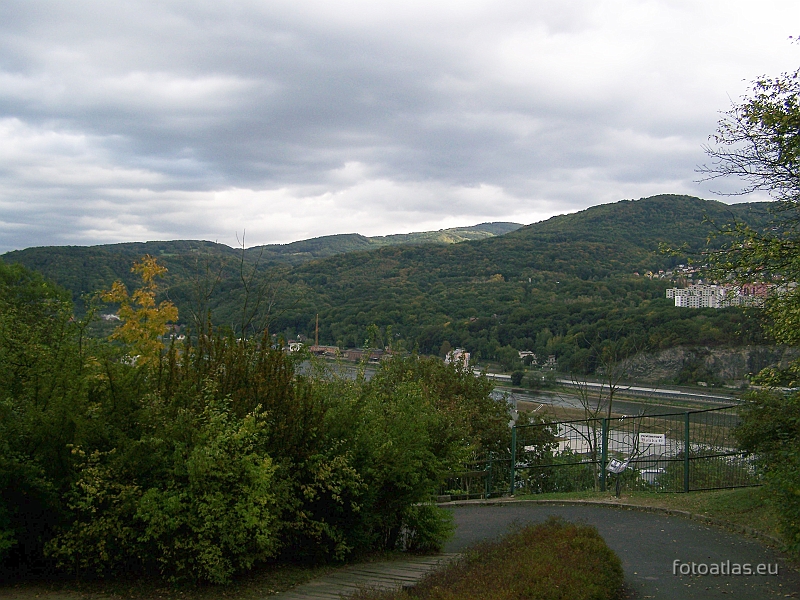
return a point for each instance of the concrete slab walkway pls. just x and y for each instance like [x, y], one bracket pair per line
[386, 575]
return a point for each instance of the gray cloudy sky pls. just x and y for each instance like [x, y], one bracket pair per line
[139, 120]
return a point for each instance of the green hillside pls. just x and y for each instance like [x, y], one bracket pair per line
[560, 286]
[299, 252]
[572, 275]
[85, 269]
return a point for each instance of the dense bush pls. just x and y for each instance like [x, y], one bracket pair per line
[200, 460]
[770, 429]
[40, 364]
[562, 472]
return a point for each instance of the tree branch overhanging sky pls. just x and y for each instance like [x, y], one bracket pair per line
[136, 120]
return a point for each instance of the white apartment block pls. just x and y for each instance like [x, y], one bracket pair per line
[707, 296]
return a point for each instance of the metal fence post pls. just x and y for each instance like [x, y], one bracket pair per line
[513, 456]
[603, 453]
[686, 447]
[487, 490]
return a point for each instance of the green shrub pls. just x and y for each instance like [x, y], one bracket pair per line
[770, 430]
[220, 505]
[562, 472]
[426, 527]
[213, 515]
[39, 364]
[222, 456]
[205, 459]
[553, 560]
[102, 537]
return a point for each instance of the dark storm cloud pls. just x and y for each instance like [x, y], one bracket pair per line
[144, 120]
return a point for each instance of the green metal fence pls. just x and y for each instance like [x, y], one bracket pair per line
[483, 477]
[674, 452]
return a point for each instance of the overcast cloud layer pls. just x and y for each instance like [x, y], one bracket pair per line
[135, 120]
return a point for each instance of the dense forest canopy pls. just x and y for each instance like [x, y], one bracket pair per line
[85, 269]
[554, 287]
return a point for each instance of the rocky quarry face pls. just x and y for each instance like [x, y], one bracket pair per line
[715, 366]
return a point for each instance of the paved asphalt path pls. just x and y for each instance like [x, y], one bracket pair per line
[647, 544]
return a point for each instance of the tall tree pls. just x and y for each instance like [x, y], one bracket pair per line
[143, 321]
[758, 140]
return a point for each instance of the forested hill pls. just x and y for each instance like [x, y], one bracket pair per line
[554, 287]
[86, 269]
[643, 223]
[614, 240]
[624, 237]
[330, 245]
[570, 275]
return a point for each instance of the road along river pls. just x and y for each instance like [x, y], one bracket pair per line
[570, 401]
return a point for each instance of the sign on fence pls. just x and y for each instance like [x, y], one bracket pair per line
[652, 439]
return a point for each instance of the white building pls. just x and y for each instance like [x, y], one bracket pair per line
[459, 355]
[706, 296]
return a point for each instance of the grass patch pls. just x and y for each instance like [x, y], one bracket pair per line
[742, 506]
[551, 560]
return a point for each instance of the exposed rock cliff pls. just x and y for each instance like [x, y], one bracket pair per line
[711, 365]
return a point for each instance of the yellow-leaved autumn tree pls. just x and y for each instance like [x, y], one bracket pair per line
[143, 321]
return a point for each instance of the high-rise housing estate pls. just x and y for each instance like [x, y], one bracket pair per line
[715, 296]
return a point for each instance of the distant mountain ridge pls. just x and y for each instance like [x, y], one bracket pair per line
[551, 286]
[616, 238]
[329, 245]
[85, 269]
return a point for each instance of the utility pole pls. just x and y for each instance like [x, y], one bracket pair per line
[316, 333]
